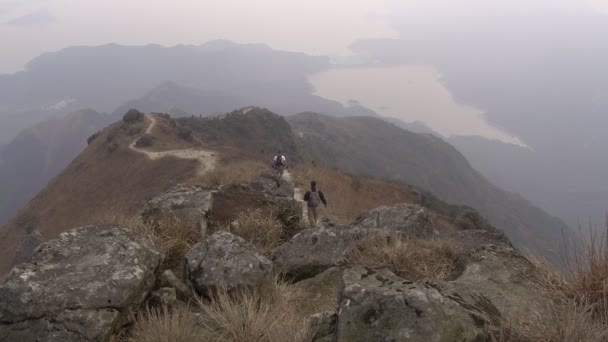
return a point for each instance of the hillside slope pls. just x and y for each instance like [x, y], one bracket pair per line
[39, 153]
[369, 146]
[106, 182]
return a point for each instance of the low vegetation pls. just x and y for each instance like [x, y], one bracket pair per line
[565, 322]
[177, 324]
[133, 115]
[261, 229]
[173, 238]
[229, 173]
[264, 314]
[580, 297]
[409, 258]
[349, 196]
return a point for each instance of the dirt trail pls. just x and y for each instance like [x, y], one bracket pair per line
[206, 159]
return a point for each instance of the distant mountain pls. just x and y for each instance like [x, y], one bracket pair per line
[415, 126]
[370, 146]
[39, 153]
[177, 100]
[225, 74]
[109, 180]
[566, 195]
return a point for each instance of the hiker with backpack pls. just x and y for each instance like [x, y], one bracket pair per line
[279, 163]
[314, 198]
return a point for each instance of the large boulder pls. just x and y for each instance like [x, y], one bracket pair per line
[27, 247]
[82, 286]
[321, 292]
[232, 200]
[411, 220]
[502, 277]
[312, 251]
[379, 306]
[225, 261]
[323, 326]
[188, 204]
[270, 183]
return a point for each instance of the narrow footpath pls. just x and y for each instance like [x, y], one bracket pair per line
[207, 159]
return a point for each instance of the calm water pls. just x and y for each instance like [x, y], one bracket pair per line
[410, 93]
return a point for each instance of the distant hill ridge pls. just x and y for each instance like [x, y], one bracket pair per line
[109, 179]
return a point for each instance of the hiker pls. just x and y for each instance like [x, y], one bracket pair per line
[279, 163]
[314, 198]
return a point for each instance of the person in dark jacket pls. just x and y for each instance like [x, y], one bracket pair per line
[314, 198]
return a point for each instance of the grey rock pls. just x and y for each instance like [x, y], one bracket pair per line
[190, 204]
[225, 261]
[379, 306]
[321, 292]
[500, 276]
[81, 286]
[465, 241]
[270, 183]
[323, 326]
[312, 251]
[165, 296]
[411, 220]
[471, 219]
[27, 247]
[168, 279]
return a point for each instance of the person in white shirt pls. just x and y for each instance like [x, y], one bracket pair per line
[279, 163]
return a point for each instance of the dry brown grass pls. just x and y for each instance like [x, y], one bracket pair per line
[350, 196]
[259, 228]
[173, 238]
[266, 314]
[565, 322]
[410, 258]
[177, 324]
[229, 172]
[96, 182]
[584, 279]
[580, 298]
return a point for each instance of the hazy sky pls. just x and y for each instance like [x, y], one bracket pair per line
[31, 27]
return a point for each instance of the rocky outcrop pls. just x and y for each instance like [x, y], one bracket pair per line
[232, 200]
[165, 296]
[312, 251]
[169, 280]
[379, 306]
[501, 276]
[411, 220]
[321, 292]
[323, 326]
[471, 219]
[81, 286]
[188, 204]
[225, 261]
[269, 182]
[27, 247]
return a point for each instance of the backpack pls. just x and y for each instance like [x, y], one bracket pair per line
[314, 199]
[278, 160]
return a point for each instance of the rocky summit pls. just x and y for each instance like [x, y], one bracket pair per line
[377, 278]
[81, 286]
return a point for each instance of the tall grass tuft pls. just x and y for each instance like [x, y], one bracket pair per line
[177, 324]
[173, 238]
[265, 314]
[412, 258]
[261, 229]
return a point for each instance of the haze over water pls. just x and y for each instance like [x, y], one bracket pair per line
[409, 93]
